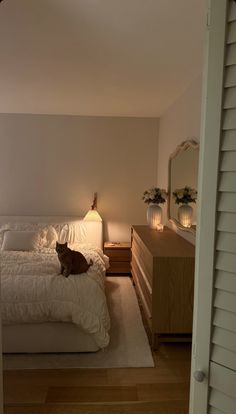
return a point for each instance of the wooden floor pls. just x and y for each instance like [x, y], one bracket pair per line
[160, 390]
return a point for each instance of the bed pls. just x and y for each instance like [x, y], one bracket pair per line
[43, 311]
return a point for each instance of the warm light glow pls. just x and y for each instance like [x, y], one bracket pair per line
[160, 227]
[186, 222]
[92, 215]
[154, 215]
[185, 214]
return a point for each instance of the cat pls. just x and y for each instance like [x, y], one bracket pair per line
[72, 262]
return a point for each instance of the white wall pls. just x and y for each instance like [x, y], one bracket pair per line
[53, 164]
[179, 123]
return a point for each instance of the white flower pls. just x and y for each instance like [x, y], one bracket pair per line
[155, 194]
[180, 193]
[163, 194]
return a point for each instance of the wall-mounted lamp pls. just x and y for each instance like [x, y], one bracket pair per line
[92, 214]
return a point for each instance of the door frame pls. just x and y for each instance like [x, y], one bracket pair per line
[207, 189]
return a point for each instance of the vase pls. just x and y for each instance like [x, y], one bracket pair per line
[154, 215]
[185, 215]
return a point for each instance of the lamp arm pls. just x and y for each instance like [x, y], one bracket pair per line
[95, 199]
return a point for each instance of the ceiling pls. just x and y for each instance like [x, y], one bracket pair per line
[98, 57]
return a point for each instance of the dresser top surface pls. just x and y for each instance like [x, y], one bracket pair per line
[164, 244]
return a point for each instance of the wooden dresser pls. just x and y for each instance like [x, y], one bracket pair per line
[162, 266]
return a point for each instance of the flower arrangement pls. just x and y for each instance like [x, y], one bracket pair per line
[155, 195]
[185, 195]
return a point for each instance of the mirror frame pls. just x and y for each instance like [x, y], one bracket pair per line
[189, 143]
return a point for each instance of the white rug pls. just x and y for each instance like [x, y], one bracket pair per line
[129, 346]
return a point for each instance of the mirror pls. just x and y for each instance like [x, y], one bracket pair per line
[183, 175]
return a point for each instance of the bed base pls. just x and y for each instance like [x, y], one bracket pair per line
[50, 337]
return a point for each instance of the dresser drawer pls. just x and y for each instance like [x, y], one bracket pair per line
[162, 266]
[142, 282]
[144, 258]
[144, 304]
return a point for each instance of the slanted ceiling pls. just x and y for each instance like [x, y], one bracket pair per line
[98, 57]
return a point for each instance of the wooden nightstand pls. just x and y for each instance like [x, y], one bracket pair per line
[120, 256]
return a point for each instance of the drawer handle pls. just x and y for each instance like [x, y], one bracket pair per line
[143, 274]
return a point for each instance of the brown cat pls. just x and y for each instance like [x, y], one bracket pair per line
[72, 262]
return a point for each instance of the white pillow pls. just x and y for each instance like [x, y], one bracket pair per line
[74, 232]
[22, 226]
[51, 238]
[15, 227]
[20, 240]
[48, 236]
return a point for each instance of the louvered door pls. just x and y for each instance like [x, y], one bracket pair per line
[214, 347]
[222, 396]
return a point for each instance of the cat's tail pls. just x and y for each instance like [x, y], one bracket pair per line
[90, 263]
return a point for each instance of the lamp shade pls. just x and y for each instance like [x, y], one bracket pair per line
[92, 215]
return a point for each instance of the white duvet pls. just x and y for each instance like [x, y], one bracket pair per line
[32, 291]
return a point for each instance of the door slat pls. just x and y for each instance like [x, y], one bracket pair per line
[229, 119]
[230, 76]
[225, 300]
[232, 11]
[226, 242]
[228, 161]
[222, 401]
[227, 202]
[231, 54]
[229, 137]
[225, 319]
[231, 37]
[230, 98]
[223, 379]
[226, 222]
[224, 357]
[224, 338]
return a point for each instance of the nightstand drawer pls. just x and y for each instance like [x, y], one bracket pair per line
[121, 255]
[119, 267]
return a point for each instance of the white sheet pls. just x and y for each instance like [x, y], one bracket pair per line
[32, 291]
